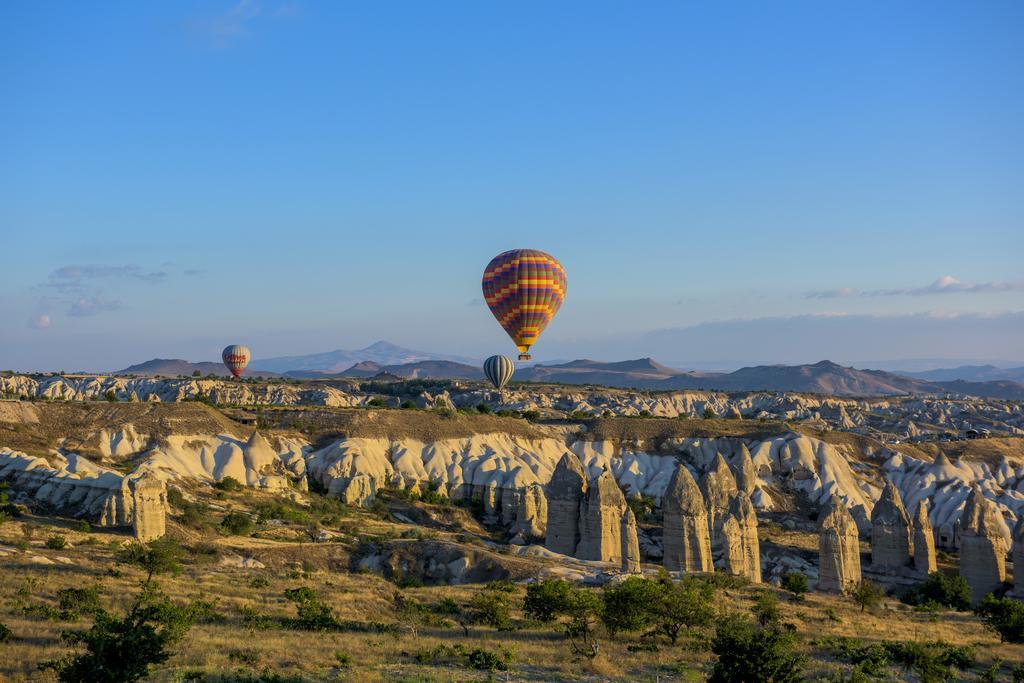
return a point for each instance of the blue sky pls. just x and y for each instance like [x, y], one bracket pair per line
[305, 176]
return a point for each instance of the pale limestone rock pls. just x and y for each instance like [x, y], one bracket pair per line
[630, 543]
[838, 548]
[982, 547]
[601, 515]
[924, 541]
[564, 493]
[890, 530]
[532, 513]
[739, 535]
[743, 471]
[687, 540]
[149, 507]
[719, 486]
[358, 490]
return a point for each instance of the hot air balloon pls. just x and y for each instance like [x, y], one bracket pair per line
[499, 370]
[236, 357]
[524, 289]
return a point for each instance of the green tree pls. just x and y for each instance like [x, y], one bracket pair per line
[686, 604]
[1005, 616]
[795, 583]
[754, 654]
[866, 594]
[628, 606]
[547, 599]
[947, 590]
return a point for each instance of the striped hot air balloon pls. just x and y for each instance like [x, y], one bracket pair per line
[235, 358]
[524, 289]
[499, 370]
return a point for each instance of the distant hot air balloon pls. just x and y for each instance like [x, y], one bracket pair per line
[499, 370]
[524, 289]
[236, 357]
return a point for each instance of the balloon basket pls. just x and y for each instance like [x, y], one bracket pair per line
[525, 356]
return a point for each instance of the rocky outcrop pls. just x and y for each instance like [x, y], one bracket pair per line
[740, 543]
[924, 541]
[982, 547]
[532, 513]
[565, 492]
[686, 538]
[630, 543]
[601, 514]
[358, 490]
[719, 486]
[149, 507]
[743, 470]
[890, 531]
[838, 548]
[1018, 559]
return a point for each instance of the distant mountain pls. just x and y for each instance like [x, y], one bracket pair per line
[629, 373]
[971, 373]
[383, 353]
[1004, 389]
[172, 367]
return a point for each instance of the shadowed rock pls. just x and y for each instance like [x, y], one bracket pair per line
[743, 471]
[601, 521]
[982, 547]
[687, 541]
[719, 486]
[740, 542]
[924, 541]
[890, 530]
[630, 543]
[838, 548]
[1018, 558]
[531, 512]
[565, 492]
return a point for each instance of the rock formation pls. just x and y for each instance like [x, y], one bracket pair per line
[739, 536]
[686, 540]
[719, 486]
[838, 548]
[630, 543]
[1018, 559]
[890, 530]
[601, 514]
[924, 541]
[149, 507]
[532, 513]
[743, 470]
[982, 547]
[565, 492]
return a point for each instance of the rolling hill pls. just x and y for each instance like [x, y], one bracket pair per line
[332, 362]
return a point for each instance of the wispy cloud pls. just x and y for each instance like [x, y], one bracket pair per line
[91, 305]
[947, 284]
[75, 278]
[237, 22]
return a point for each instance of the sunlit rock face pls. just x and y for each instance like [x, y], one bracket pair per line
[838, 549]
[982, 547]
[686, 535]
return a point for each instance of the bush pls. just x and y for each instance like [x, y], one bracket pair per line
[228, 485]
[111, 396]
[491, 607]
[162, 556]
[1004, 616]
[313, 615]
[686, 604]
[708, 413]
[56, 542]
[5, 633]
[747, 652]
[627, 606]
[547, 599]
[236, 524]
[946, 590]
[795, 583]
[932, 662]
[766, 608]
[866, 594]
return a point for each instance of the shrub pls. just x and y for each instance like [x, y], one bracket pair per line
[228, 485]
[83, 526]
[344, 659]
[1004, 616]
[547, 599]
[931, 661]
[313, 615]
[259, 582]
[687, 603]
[766, 608]
[56, 542]
[866, 594]
[162, 556]
[491, 608]
[946, 590]
[111, 396]
[795, 583]
[236, 524]
[747, 652]
[627, 606]
[486, 660]
[708, 413]
[5, 633]
[483, 409]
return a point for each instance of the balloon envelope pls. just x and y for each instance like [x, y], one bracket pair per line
[524, 288]
[235, 358]
[499, 370]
